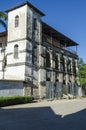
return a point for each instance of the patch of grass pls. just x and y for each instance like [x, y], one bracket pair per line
[6, 101]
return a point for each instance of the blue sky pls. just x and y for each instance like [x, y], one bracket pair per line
[66, 16]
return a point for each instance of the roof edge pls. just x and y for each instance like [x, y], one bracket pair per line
[26, 3]
[3, 33]
[60, 33]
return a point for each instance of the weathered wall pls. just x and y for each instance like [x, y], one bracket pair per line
[9, 88]
[32, 57]
[30, 90]
[32, 64]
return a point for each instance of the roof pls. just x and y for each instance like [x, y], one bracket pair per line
[47, 29]
[26, 3]
[2, 34]
[57, 35]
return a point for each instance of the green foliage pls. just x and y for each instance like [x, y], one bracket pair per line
[3, 15]
[82, 73]
[80, 62]
[3, 20]
[3, 24]
[6, 101]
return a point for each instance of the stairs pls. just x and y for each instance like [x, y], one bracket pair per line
[68, 96]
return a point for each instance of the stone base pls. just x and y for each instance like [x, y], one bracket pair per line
[11, 88]
[30, 90]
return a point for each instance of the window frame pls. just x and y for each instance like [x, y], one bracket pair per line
[16, 53]
[16, 21]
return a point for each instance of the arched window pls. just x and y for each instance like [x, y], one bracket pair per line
[16, 51]
[16, 21]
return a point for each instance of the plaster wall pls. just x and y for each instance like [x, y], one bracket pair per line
[18, 32]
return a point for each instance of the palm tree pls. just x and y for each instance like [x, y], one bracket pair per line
[3, 19]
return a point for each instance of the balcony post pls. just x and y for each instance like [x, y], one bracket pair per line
[65, 44]
[76, 48]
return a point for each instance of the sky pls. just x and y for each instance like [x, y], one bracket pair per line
[66, 16]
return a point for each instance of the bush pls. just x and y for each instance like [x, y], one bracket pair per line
[6, 101]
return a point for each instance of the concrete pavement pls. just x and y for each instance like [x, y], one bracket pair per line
[45, 115]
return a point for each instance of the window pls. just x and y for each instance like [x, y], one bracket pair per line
[62, 63]
[35, 23]
[48, 64]
[16, 51]
[56, 62]
[64, 79]
[0, 45]
[16, 21]
[48, 75]
[34, 55]
[68, 66]
[56, 76]
[74, 66]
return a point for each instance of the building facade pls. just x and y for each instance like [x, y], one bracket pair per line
[35, 59]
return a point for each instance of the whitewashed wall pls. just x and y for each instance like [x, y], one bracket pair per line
[19, 32]
[15, 69]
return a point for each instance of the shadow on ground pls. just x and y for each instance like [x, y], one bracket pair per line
[42, 118]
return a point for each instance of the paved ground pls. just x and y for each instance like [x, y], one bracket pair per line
[45, 115]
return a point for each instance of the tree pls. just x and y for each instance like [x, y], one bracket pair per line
[82, 73]
[3, 19]
[80, 63]
[82, 76]
[3, 22]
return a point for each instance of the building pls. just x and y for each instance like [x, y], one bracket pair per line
[35, 59]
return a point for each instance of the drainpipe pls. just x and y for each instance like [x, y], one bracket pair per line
[52, 79]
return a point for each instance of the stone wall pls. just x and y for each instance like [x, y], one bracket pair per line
[30, 90]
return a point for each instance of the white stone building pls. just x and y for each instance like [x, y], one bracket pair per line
[35, 59]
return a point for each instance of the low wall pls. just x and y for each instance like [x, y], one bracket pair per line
[81, 92]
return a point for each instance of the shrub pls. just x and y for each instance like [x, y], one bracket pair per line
[6, 101]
